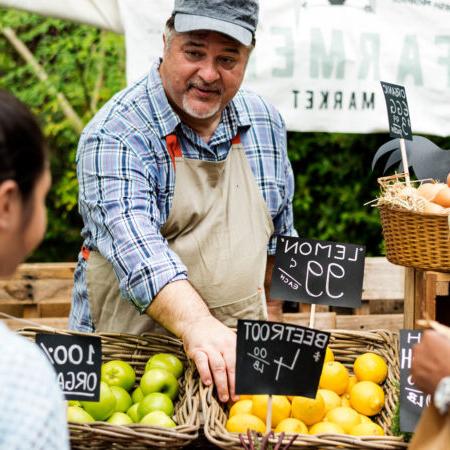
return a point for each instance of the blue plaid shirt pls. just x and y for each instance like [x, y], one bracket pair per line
[127, 183]
[33, 410]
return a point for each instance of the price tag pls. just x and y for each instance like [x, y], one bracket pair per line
[279, 358]
[412, 399]
[77, 361]
[322, 272]
[398, 112]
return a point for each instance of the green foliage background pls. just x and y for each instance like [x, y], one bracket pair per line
[332, 171]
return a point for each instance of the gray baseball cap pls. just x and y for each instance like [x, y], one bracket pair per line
[235, 18]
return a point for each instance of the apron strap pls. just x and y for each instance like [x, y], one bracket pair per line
[174, 148]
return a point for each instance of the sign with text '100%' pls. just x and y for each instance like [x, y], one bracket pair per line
[77, 361]
[279, 358]
[322, 272]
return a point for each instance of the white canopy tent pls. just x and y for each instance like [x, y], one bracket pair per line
[318, 62]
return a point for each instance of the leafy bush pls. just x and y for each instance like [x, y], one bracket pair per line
[332, 171]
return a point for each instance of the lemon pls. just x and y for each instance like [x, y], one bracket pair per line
[245, 397]
[326, 427]
[331, 399]
[365, 419]
[343, 416]
[334, 377]
[345, 400]
[291, 425]
[352, 380]
[329, 355]
[281, 408]
[370, 367]
[308, 410]
[240, 423]
[367, 429]
[367, 398]
[241, 407]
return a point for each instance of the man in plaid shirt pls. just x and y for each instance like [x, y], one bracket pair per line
[184, 183]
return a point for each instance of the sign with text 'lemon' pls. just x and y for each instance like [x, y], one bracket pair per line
[321, 272]
[279, 358]
[77, 361]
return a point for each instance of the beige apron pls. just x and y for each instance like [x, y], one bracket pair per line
[219, 226]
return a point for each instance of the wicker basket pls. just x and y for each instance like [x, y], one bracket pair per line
[346, 345]
[416, 239]
[136, 350]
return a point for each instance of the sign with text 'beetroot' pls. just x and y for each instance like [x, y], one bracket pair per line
[77, 361]
[321, 272]
[279, 358]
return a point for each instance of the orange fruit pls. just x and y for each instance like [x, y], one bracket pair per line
[281, 408]
[308, 410]
[240, 423]
[334, 377]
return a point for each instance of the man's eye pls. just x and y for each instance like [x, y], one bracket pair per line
[227, 62]
[193, 54]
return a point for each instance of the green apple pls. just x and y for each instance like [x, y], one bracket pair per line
[156, 401]
[159, 380]
[123, 398]
[133, 412]
[102, 409]
[158, 419]
[137, 395]
[73, 403]
[120, 418]
[166, 361]
[118, 373]
[77, 414]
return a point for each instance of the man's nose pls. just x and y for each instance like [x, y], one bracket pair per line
[208, 71]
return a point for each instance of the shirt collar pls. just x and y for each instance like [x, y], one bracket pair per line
[166, 119]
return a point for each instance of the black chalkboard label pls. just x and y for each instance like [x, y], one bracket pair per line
[322, 272]
[279, 358]
[77, 361]
[412, 399]
[398, 112]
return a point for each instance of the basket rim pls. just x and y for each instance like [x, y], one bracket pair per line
[399, 209]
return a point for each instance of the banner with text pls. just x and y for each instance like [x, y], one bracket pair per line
[320, 62]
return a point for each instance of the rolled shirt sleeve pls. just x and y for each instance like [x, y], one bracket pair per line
[118, 203]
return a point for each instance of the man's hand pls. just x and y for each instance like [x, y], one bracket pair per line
[431, 361]
[212, 346]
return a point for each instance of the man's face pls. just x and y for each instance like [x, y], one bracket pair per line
[201, 72]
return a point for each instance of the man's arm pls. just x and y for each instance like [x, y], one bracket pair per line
[210, 344]
[431, 361]
[274, 307]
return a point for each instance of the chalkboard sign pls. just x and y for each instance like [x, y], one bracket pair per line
[322, 272]
[77, 361]
[412, 399]
[279, 358]
[398, 112]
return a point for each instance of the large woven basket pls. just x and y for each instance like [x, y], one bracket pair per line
[136, 350]
[416, 239]
[346, 345]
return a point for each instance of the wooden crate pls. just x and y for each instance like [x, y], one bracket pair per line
[38, 292]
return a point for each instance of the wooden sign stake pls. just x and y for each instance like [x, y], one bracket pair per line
[269, 414]
[405, 161]
[312, 317]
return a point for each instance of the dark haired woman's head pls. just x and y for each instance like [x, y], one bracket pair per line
[23, 156]
[24, 183]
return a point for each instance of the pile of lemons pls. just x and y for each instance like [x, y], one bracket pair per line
[344, 403]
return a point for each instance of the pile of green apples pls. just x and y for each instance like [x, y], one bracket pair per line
[121, 402]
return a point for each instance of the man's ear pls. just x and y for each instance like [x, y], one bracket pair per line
[9, 204]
